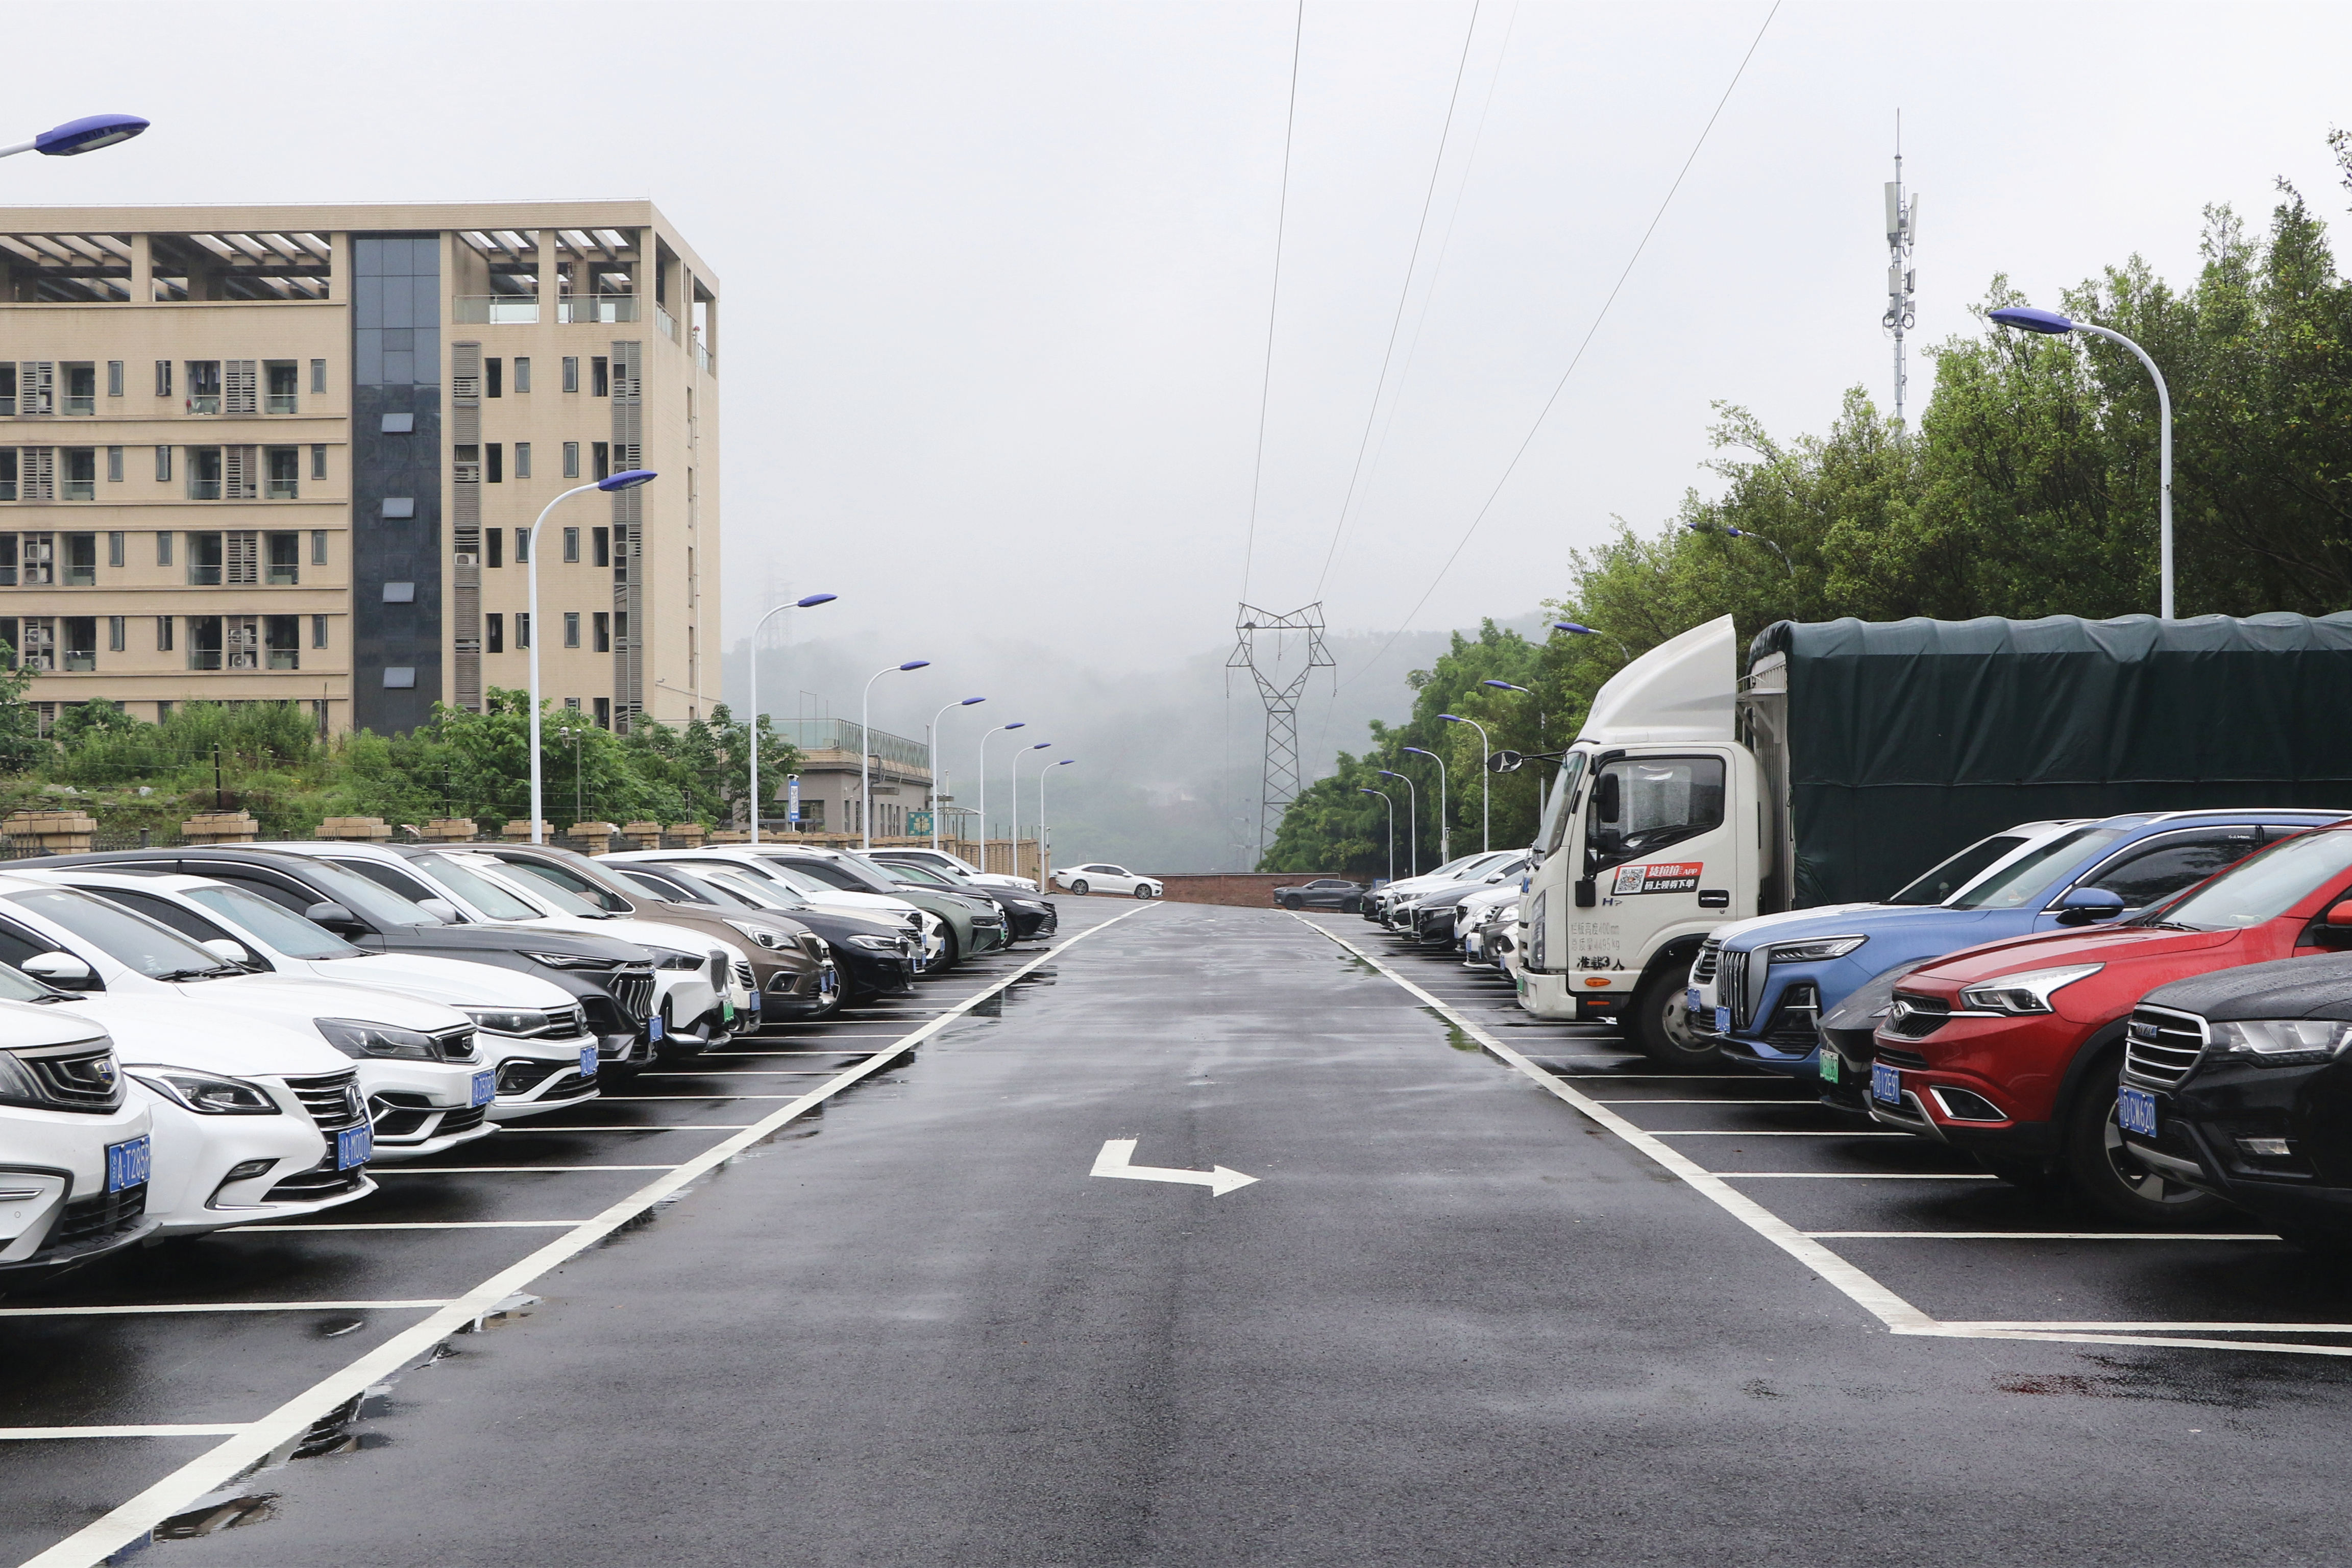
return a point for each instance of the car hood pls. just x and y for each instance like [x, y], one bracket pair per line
[2315, 987]
[532, 938]
[27, 1025]
[1886, 925]
[448, 981]
[622, 927]
[1446, 892]
[1490, 897]
[1732, 932]
[299, 1000]
[166, 1030]
[2125, 944]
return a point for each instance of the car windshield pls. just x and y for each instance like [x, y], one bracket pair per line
[791, 876]
[1556, 819]
[849, 875]
[2030, 876]
[670, 885]
[275, 926]
[17, 986]
[368, 900]
[547, 884]
[495, 901]
[2261, 887]
[130, 939]
[1959, 871]
[758, 891]
[920, 876]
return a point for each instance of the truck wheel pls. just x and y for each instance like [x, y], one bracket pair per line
[2102, 1167]
[1661, 1029]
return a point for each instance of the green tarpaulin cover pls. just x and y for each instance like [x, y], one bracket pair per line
[1910, 740]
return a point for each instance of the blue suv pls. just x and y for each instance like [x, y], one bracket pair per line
[1759, 988]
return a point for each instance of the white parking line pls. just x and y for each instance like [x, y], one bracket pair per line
[500, 1170]
[182, 1307]
[1854, 1175]
[1654, 1132]
[2165, 1328]
[757, 1072]
[407, 1225]
[1708, 1102]
[50, 1434]
[623, 1127]
[2035, 1236]
[677, 1099]
[136, 1519]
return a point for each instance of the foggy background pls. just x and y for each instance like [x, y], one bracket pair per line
[995, 282]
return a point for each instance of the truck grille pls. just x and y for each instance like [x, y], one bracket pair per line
[82, 1075]
[1703, 970]
[1917, 1017]
[332, 1099]
[2161, 1046]
[634, 990]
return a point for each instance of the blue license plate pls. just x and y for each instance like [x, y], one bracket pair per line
[486, 1088]
[1690, 1001]
[751, 1001]
[587, 1061]
[127, 1162]
[354, 1146]
[826, 982]
[2135, 1111]
[1886, 1084]
[1723, 1020]
[654, 1028]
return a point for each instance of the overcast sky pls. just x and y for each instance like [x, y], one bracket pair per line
[996, 277]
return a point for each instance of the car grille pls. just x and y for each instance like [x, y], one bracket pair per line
[1703, 970]
[462, 1120]
[321, 1181]
[1731, 988]
[1917, 1017]
[333, 1101]
[1897, 1059]
[717, 970]
[2161, 1047]
[455, 1045]
[91, 1219]
[634, 990]
[743, 976]
[82, 1075]
[562, 1022]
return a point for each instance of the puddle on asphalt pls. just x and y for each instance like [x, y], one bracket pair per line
[1455, 1034]
[2230, 1384]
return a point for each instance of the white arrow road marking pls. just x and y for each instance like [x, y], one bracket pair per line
[1116, 1159]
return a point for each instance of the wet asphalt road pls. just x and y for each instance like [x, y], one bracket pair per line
[1452, 1321]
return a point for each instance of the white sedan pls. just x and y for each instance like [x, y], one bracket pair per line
[1102, 877]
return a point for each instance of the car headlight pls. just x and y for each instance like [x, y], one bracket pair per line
[570, 959]
[2284, 1042]
[872, 943]
[2027, 993]
[354, 1037]
[1814, 950]
[671, 958]
[507, 1020]
[1507, 915]
[815, 945]
[764, 938]
[208, 1094]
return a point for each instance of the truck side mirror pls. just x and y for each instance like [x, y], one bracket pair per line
[2083, 906]
[1504, 762]
[1605, 798]
[1586, 893]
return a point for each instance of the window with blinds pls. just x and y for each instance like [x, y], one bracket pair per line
[240, 386]
[241, 560]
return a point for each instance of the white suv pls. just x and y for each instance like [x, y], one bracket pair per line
[74, 1145]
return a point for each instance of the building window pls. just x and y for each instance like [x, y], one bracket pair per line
[318, 631]
[523, 625]
[285, 471]
[114, 633]
[285, 560]
[39, 561]
[522, 546]
[163, 712]
[242, 633]
[493, 628]
[81, 642]
[114, 378]
[205, 564]
[281, 640]
[600, 454]
[7, 560]
[284, 378]
[7, 473]
[205, 388]
[81, 473]
[81, 561]
[572, 545]
[162, 549]
[571, 372]
[495, 538]
[114, 464]
[162, 634]
[603, 632]
[162, 378]
[318, 462]
[603, 712]
[522, 375]
[318, 375]
[522, 453]
[494, 378]
[204, 473]
[318, 547]
[163, 465]
[600, 541]
[204, 642]
[114, 550]
[572, 459]
[81, 389]
[571, 628]
[496, 453]
[599, 380]
[572, 703]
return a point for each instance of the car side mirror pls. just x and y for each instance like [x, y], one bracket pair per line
[1605, 798]
[441, 910]
[62, 970]
[335, 917]
[234, 951]
[2332, 929]
[2085, 905]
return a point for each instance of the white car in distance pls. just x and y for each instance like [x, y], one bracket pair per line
[530, 1031]
[76, 1146]
[922, 925]
[1102, 877]
[939, 860]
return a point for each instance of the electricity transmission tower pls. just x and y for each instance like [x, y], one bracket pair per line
[1281, 782]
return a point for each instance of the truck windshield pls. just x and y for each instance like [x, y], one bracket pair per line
[2261, 887]
[1959, 871]
[1563, 791]
[2031, 875]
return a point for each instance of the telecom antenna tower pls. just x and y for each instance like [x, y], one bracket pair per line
[1902, 297]
[1280, 786]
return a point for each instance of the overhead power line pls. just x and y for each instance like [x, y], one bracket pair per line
[1273, 299]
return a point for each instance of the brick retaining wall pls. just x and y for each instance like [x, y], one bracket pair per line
[1253, 890]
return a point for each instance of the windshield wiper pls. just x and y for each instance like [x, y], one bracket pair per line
[215, 972]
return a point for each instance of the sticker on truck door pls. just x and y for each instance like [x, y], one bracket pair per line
[1670, 876]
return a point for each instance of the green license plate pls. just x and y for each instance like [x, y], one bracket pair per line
[1828, 1065]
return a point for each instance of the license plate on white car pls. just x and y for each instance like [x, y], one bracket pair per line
[1886, 1084]
[2135, 1111]
[587, 1061]
[129, 1163]
[486, 1088]
[354, 1146]
[654, 1028]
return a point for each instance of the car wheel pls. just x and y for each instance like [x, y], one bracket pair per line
[1290, 903]
[1079, 886]
[1661, 1027]
[1142, 891]
[2103, 1169]
[1351, 907]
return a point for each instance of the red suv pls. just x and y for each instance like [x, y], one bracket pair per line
[2013, 1050]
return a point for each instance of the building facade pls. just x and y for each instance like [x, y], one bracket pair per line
[831, 776]
[293, 453]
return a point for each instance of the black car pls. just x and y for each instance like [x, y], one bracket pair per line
[614, 979]
[1026, 914]
[2237, 1083]
[1849, 1041]
[872, 959]
[1323, 893]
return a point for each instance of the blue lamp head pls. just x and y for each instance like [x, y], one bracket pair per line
[814, 600]
[1041, 746]
[88, 134]
[1502, 685]
[1451, 719]
[1390, 773]
[1421, 751]
[1066, 761]
[2049, 324]
[970, 701]
[1018, 724]
[1361, 789]
[627, 479]
[917, 664]
[1572, 626]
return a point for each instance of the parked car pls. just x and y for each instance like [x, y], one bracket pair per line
[1377, 905]
[1102, 876]
[1323, 893]
[971, 923]
[943, 861]
[873, 959]
[1027, 912]
[2236, 1083]
[1757, 987]
[1473, 914]
[2014, 1050]
[1427, 915]
[758, 859]
[613, 981]
[529, 1030]
[990, 935]
[76, 1147]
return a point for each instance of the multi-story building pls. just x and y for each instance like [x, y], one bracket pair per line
[831, 776]
[293, 453]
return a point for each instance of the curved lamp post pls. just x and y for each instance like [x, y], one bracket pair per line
[931, 752]
[1044, 872]
[1523, 692]
[866, 751]
[1572, 629]
[74, 137]
[1016, 724]
[2049, 324]
[1486, 754]
[1411, 820]
[626, 479]
[1445, 837]
[809, 603]
[1366, 789]
[1044, 860]
[1730, 533]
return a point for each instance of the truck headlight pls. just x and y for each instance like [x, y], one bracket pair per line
[2028, 993]
[2284, 1042]
[1815, 950]
[208, 1094]
[355, 1038]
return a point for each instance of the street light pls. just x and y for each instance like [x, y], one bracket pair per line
[1017, 724]
[1365, 789]
[1043, 870]
[931, 751]
[74, 137]
[1731, 532]
[810, 602]
[1571, 627]
[1445, 837]
[1486, 754]
[1043, 861]
[866, 751]
[2049, 324]
[626, 479]
[1412, 821]
[1505, 685]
